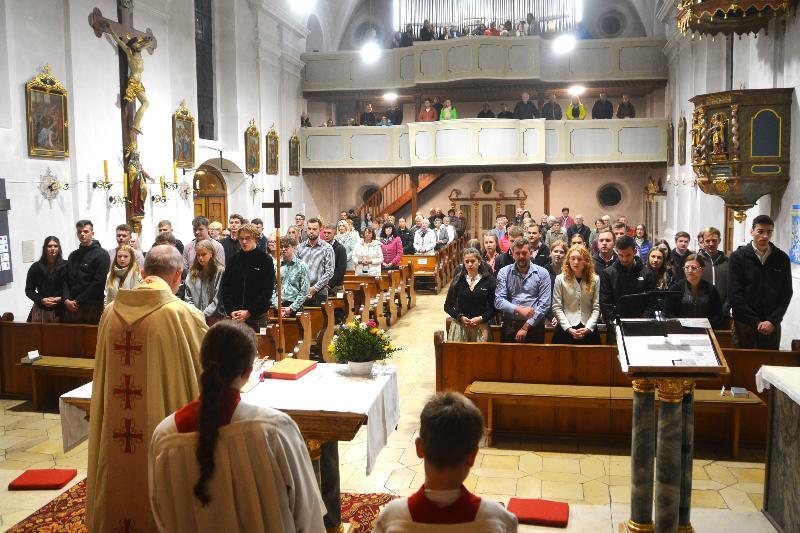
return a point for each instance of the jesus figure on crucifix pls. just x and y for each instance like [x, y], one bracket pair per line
[135, 88]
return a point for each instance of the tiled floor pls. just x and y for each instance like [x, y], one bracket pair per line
[594, 479]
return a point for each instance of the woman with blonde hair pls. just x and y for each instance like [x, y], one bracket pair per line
[124, 273]
[348, 238]
[576, 299]
[575, 109]
[203, 282]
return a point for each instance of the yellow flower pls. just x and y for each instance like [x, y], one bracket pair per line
[331, 348]
[373, 330]
[353, 324]
[389, 347]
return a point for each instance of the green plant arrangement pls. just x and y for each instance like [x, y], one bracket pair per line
[358, 342]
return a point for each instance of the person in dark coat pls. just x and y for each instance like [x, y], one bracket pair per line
[551, 110]
[602, 108]
[525, 108]
[625, 108]
[698, 298]
[759, 288]
[367, 117]
[339, 259]
[426, 33]
[504, 112]
[87, 269]
[486, 112]
[248, 280]
[45, 284]
[407, 37]
[470, 300]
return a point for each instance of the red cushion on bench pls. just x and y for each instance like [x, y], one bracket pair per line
[45, 479]
[539, 512]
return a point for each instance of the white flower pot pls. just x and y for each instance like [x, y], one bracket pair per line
[360, 369]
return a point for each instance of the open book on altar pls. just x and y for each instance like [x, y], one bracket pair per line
[682, 345]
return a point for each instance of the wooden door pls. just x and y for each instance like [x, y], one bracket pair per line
[210, 195]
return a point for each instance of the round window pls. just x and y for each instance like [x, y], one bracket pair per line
[368, 192]
[611, 24]
[609, 195]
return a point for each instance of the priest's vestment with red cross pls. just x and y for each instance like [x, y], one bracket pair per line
[147, 365]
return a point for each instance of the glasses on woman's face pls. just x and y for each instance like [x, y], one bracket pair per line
[691, 268]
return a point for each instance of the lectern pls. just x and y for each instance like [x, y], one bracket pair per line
[664, 356]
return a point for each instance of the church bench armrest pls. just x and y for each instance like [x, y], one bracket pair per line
[52, 361]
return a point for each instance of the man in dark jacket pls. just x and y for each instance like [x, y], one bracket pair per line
[602, 108]
[407, 37]
[605, 256]
[230, 244]
[540, 253]
[625, 108]
[525, 108]
[367, 117]
[87, 271]
[626, 276]
[339, 259]
[580, 228]
[716, 271]
[248, 280]
[679, 253]
[486, 112]
[551, 110]
[504, 112]
[759, 288]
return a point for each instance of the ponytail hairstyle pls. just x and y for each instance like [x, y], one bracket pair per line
[227, 352]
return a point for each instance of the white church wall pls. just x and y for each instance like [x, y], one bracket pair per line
[698, 67]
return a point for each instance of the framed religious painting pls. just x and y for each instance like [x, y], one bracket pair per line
[682, 141]
[294, 155]
[183, 127]
[272, 151]
[46, 108]
[252, 149]
[670, 144]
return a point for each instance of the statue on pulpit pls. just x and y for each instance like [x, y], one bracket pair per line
[719, 134]
[698, 125]
[135, 89]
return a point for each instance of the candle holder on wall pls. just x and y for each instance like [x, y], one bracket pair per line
[116, 200]
[158, 199]
[171, 186]
[101, 184]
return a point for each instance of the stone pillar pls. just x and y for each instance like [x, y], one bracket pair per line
[687, 458]
[668, 460]
[642, 443]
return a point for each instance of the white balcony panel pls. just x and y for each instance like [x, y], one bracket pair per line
[325, 148]
[377, 72]
[552, 143]
[590, 142]
[370, 147]
[641, 59]
[641, 141]
[530, 142]
[453, 143]
[431, 62]
[521, 59]
[326, 71]
[402, 147]
[588, 61]
[491, 58]
[459, 59]
[499, 142]
[423, 143]
[407, 67]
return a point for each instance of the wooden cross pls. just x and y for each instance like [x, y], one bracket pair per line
[128, 347]
[125, 30]
[276, 205]
[127, 434]
[127, 391]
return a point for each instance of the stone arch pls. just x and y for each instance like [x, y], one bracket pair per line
[315, 40]
[226, 174]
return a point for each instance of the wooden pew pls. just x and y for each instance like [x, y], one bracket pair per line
[345, 304]
[368, 302]
[407, 274]
[67, 362]
[458, 365]
[426, 270]
[386, 284]
[322, 327]
[297, 334]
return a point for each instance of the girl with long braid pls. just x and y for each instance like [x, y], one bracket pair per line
[221, 464]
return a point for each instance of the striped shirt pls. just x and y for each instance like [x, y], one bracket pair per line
[319, 259]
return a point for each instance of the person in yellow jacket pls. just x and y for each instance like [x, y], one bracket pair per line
[575, 110]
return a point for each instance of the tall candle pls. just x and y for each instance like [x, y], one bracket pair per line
[105, 169]
[163, 191]
[174, 171]
[124, 185]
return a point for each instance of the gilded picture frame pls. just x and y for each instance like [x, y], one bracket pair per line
[272, 151]
[294, 155]
[670, 144]
[252, 149]
[682, 141]
[46, 110]
[183, 133]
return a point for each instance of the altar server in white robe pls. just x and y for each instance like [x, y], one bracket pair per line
[146, 365]
[219, 464]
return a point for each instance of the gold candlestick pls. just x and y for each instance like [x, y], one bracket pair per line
[163, 190]
[105, 169]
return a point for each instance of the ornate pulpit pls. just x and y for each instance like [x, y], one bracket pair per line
[740, 144]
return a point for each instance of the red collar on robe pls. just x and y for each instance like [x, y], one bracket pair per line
[424, 511]
[186, 417]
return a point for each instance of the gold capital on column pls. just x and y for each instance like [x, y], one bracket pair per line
[643, 385]
[314, 448]
[688, 386]
[686, 529]
[670, 390]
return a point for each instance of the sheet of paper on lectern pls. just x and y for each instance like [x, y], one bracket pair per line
[671, 350]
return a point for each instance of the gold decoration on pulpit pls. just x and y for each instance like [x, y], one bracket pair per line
[728, 17]
[183, 128]
[252, 149]
[682, 140]
[740, 144]
[46, 109]
[272, 151]
[670, 144]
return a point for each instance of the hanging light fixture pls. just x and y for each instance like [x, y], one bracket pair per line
[303, 6]
[370, 51]
[564, 44]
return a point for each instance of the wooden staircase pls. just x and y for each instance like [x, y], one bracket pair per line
[395, 194]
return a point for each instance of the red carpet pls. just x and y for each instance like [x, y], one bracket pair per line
[65, 513]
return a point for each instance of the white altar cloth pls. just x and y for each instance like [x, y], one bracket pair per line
[329, 387]
[784, 378]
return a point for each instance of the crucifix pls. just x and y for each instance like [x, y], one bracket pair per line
[276, 205]
[131, 43]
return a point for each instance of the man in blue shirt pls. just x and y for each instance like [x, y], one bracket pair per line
[522, 296]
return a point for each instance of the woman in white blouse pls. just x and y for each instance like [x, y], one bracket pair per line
[576, 299]
[368, 255]
[348, 238]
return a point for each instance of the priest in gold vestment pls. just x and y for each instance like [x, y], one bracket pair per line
[147, 365]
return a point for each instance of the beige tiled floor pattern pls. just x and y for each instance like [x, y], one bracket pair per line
[594, 479]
